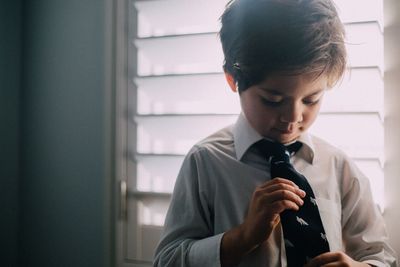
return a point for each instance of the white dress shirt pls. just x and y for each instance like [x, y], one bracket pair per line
[215, 185]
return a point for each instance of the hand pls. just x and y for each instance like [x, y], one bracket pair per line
[268, 201]
[334, 259]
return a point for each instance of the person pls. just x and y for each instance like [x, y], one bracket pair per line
[280, 56]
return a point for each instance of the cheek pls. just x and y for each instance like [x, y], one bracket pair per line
[310, 115]
[260, 117]
[255, 109]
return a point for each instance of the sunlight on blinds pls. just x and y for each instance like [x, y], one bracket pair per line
[182, 97]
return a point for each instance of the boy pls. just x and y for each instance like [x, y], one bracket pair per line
[228, 208]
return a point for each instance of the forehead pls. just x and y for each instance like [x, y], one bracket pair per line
[288, 84]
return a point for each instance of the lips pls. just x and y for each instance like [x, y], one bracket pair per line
[285, 131]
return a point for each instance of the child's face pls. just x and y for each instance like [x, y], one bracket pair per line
[283, 106]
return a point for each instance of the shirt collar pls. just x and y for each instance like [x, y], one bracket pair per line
[244, 135]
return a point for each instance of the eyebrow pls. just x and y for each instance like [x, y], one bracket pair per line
[278, 93]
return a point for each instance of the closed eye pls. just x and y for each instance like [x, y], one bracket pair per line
[311, 102]
[270, 103]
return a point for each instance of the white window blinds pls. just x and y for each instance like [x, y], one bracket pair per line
[179, 96]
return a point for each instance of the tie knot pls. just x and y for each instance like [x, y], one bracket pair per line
[276, 152]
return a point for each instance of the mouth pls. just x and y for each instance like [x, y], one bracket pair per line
[285, 131]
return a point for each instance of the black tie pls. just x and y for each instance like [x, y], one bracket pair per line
[303, 231]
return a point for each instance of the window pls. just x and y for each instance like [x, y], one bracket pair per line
[173, 95]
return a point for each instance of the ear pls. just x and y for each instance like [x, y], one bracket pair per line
[231, 82]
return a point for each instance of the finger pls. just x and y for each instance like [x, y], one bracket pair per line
[282, 186]
[277, 181]
[283, 195]
[275, 220]
[280, 206]
[323, 259]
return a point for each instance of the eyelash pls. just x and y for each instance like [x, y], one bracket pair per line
[270, 103]
[311, 103]
[276, 104]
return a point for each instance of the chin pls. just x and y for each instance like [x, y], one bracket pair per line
[281, 137]
[286, 138]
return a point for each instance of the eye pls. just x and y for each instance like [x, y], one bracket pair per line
[311, 102]
[271, 103]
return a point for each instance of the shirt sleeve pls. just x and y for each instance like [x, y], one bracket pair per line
[188, 238]
[363, 227]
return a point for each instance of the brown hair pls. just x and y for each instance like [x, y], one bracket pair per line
[260, 37]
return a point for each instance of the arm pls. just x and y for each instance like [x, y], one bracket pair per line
[364, 231]
[363, 228]
[188, 239]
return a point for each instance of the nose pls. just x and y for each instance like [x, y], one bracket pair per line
[293, 113]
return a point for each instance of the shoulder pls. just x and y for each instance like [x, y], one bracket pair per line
[202, 163]
[330, 155]
[216, 144]
[323, 148]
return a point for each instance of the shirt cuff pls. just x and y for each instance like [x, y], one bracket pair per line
[206, 252]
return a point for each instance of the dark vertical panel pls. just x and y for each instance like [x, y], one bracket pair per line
[10, 69]
[65, 140]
